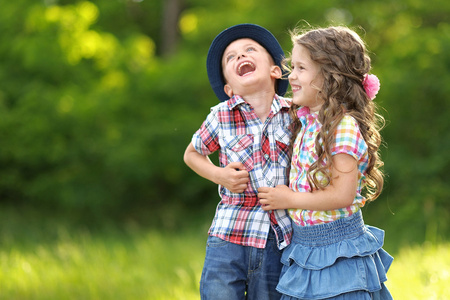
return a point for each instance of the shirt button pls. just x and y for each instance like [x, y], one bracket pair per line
[266, 156]
[269, 183]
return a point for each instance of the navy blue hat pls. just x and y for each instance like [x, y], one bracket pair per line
[226, 37]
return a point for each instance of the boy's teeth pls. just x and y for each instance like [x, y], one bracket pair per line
[244, 65]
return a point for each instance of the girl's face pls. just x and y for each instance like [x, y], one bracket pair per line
[305, 79]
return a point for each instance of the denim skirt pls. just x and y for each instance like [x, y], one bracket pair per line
[342, 259]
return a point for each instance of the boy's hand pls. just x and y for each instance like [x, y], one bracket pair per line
[274, 198]
[234, 177]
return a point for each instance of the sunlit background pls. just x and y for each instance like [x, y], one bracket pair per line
[98, 101]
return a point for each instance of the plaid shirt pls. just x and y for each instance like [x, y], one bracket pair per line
[233, 128]
[349, 141]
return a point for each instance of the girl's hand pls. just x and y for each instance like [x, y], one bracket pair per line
[275, 198]
[340, 193]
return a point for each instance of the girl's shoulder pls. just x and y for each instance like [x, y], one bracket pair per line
[348, 122]
[347, 119]
[348, 138]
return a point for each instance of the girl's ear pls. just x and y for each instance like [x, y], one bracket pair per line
[228, 90]
[275, 72]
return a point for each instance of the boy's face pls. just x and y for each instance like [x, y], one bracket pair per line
[247, 68]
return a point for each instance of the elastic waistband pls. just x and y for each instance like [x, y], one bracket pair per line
[329, 233]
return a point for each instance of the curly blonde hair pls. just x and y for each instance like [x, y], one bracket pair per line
[343, 60]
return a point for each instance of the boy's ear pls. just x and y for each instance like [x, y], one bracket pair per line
[275, 72]
[228, 90]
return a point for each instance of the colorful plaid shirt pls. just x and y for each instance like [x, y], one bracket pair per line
[349, 141]
[233, 128]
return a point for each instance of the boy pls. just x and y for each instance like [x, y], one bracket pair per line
[250, 128]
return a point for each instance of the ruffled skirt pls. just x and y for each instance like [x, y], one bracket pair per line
[343, 259]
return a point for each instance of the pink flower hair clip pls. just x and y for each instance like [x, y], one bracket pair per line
[371, 85]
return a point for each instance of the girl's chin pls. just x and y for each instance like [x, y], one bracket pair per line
[297, 101]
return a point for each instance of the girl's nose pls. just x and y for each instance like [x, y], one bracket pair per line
[291, 75]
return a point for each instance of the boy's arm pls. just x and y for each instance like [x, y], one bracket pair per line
[234, 176]
[339, 194]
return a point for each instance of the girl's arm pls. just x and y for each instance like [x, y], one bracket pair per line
[339, 194]
[234, 176]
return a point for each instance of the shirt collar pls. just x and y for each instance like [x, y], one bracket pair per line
[278, 102]
[306, 116]
[302, 111]
[235, 101]
[285, 103]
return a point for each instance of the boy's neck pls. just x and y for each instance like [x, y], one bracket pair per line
[261, 102]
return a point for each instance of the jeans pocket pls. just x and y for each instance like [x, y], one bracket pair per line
[214, 241]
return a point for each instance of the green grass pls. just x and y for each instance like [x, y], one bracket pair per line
[57, 258]
[143, 265]
[421, 272]
[53, 258]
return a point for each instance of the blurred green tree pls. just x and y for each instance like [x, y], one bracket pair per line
[98, 101]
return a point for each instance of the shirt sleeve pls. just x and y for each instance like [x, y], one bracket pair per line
[349, 139]
[206, 139]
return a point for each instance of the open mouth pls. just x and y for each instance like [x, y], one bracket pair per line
[245, 68]
[295, 88]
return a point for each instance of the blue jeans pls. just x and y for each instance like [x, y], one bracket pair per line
[233, 271]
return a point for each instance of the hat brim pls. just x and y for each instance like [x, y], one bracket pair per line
[221, 42]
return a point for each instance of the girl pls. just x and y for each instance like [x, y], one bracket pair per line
[334, 172]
